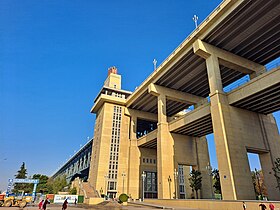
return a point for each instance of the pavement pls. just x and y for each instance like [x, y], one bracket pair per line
[107, 206]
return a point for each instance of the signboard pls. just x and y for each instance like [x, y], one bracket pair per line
[62, 198]
[34, 181]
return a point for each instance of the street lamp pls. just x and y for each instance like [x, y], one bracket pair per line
[105, 187]
[175, 182]
[123, 175]
[209, 170]
[143, 180]
[169, 183]
[195, 19]
[155, 64]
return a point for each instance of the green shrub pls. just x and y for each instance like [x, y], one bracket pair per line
[123, 198]
[73, 191]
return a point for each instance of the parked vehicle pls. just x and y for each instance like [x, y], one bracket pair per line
[18, 201]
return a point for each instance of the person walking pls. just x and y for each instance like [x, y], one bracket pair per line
[44, 207]
[64, 205]
[40, 204]
[271, 206]
[244, 205]
[263, 207]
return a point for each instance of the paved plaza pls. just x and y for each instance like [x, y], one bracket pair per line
[108, 206]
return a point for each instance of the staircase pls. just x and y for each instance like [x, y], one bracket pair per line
[88, 190]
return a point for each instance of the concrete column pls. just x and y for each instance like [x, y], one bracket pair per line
[134, 161]
[214, 74]
[165, 153]
[232, 157]
[202, 161]
[272, 139]
[188, 189]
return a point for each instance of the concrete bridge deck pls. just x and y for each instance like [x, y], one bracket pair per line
[261, 94]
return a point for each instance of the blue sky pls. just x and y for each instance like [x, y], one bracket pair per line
[54, 57]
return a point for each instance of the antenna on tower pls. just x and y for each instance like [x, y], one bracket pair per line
[195, 18]
[155, 64]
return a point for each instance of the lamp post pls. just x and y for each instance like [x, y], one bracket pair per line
[209, 171]
[175, 182]
[123, 175]
[155, 64]
[169, 184]
[105, 184]
[143, 182]
[195, 19]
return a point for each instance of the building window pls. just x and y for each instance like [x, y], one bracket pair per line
[150, 185]
[112, 186]
[117, 114]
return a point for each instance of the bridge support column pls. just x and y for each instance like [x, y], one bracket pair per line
[236, 181]
[134, 162]
[165, 153]
[272, 143]
[202, 161]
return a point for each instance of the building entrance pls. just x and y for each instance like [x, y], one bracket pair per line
[112, 194]
[150, 185]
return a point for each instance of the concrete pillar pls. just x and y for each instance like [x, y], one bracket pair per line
[272, 139]
[188, 189]
[165, 152]
[134, 162]
[232, 157]
[202, 161]
[214, 75]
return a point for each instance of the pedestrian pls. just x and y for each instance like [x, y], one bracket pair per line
[244, 205]
[40, 204]
[75, 202]
[44, 207]
[263, 207]
[64, 205]
[271, 206]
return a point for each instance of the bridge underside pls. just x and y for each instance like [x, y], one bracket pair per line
[262, 93]
[266, 101]
[251, 31]
[83, 175]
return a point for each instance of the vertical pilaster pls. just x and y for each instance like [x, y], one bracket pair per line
[232, 158]
[165, 152]
[134, 161]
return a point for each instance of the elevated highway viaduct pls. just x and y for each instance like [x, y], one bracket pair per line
[238, 38]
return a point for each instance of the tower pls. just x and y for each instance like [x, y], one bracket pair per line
[110, 151]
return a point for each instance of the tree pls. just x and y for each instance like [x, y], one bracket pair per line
[195, 181]
[73, 191]
[22, 174]
[258, 182]
[42, 187]
[57, 184]
[217, 183]
[276, 170]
